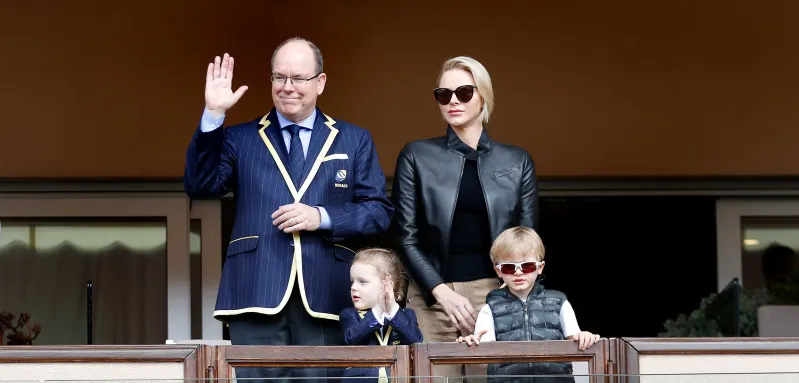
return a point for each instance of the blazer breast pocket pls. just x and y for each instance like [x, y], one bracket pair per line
[338, 173]
[338, 156]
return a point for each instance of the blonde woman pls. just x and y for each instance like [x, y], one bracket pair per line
[453, 196]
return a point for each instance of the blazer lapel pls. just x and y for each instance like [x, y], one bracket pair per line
[273, 132]
[322, 137]
[319, 135]
[273, 139]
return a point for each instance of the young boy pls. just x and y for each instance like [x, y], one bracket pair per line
[523, 310]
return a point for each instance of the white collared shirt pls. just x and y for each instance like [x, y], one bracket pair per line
[382, 316]
[210, 123]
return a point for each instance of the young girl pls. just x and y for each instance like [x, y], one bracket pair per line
[376, 319]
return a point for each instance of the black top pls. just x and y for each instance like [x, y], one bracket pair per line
[470, 236]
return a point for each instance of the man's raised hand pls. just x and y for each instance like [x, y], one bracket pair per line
[219, 96]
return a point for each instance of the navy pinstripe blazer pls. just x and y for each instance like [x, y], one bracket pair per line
[342, 174]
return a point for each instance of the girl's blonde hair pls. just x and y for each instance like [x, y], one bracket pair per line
[387, 263]
[481, 79]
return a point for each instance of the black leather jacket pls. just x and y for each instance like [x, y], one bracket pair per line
[425, 191]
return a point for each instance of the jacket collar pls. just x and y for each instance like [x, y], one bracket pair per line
[454, 143]
[307, 123]
[537, 289]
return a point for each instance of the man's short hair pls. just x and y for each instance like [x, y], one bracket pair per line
[317, 53]
[517, 242]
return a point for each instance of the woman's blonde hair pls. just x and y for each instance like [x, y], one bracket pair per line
[387, 263]
[515, 242]
[481, 79]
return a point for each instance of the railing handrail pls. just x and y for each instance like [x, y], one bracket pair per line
[617, 356]
[426, 355]
[397, 358]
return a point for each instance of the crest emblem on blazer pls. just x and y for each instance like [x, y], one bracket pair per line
[341, 175]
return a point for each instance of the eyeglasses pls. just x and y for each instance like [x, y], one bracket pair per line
[525, 267]
[464, 93]
[280, 79]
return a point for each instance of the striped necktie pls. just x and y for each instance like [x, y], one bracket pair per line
[296, 155]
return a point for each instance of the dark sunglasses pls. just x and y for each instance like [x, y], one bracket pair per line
[464, 93]
[525, 267]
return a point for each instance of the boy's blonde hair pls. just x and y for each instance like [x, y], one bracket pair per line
[517, 242]
[387, 263]
[481, 79]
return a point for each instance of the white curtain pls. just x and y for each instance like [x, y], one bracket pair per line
[129, 292]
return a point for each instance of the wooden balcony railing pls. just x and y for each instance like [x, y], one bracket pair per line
[687, 356]
[83, 362]
[426, 356]
[623, 358]
[395, 358]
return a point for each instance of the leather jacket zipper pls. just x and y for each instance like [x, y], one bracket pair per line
[485, 197]
[452, 215]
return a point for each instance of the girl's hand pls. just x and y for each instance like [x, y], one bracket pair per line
[387, 297]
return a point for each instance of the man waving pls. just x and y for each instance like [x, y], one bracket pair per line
[304, 183]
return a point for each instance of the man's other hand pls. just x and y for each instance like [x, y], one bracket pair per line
[296, 217]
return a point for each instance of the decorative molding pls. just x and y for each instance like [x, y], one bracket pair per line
[547, 186]
[192, 356]
[96, 353]
[712, 346]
